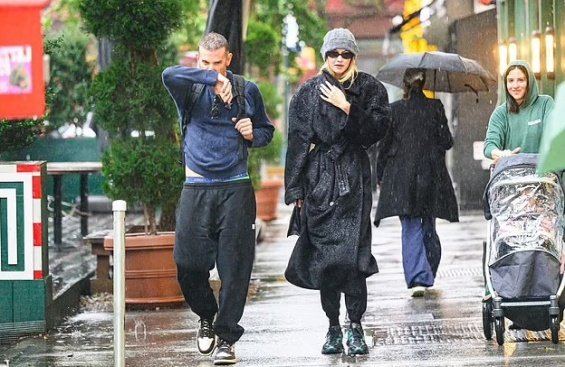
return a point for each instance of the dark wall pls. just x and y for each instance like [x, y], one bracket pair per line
[474, 37]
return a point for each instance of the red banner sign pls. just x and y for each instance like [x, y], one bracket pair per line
[22, 87]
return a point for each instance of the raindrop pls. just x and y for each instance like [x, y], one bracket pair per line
[75, 335]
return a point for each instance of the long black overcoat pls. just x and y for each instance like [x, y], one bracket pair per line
[327, 166]
[411, 163]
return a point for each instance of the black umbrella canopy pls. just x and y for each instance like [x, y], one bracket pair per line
[445, 72]
[226, 18]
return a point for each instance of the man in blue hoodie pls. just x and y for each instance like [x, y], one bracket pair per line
[216, 215]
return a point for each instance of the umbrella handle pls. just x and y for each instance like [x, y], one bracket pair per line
[474, 91]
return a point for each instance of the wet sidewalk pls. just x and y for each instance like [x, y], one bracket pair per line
[285, 325]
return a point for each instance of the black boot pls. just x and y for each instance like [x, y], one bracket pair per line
[334, 339]
[356, 339]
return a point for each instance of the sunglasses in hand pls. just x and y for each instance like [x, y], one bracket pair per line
[215, 111]
[334, 54]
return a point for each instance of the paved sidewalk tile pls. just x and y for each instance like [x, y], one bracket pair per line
[285, 325]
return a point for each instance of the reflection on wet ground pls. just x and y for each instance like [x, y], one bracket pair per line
[285, 325]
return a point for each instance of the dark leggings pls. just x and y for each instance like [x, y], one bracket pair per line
[355, 301]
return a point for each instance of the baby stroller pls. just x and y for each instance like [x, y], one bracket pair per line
[523, 250]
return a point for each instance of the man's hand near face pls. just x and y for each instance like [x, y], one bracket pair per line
[223, 89]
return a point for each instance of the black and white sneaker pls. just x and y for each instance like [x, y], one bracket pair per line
[205, 338]
[225, 353]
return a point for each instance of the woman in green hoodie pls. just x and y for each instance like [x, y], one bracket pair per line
[517, 124]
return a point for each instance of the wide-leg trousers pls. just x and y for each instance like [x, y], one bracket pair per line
[216, 227]
[421, 250]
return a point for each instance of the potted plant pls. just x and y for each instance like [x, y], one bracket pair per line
[267, 186]
[264, 41]
[141, 164]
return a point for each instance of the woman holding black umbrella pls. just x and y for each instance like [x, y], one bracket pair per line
[333, 119]
[413, 179]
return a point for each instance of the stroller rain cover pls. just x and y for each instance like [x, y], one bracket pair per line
[526, 238]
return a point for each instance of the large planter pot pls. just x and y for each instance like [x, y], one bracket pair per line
[151, 273]
[267, 199]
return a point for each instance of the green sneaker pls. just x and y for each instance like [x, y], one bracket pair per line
[334, 341]
[356, 340]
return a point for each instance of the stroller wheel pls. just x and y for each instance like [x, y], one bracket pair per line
[499, 329]
[487, 319]
[554, 326]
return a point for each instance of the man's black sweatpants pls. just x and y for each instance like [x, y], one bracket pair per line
[216, 227]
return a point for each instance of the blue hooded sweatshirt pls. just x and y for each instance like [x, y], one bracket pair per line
[213, 147]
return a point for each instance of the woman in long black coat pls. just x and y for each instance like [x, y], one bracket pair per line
[333, 119]
[414, 182]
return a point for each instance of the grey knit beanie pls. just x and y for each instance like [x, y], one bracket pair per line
[339, 38]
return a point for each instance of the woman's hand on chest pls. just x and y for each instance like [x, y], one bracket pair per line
[334, 96]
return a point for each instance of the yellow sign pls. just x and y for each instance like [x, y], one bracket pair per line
[412, 33]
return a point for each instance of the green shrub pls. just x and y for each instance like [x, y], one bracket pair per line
[271, 99]
[132, 24]
[262, 46]
[141, 170]
[16, 135]
[270, 153]
[134, 107]
[68, 89]
[130, 96]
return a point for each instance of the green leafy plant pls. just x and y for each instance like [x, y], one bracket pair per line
[310, 17]
[262, 46]
[16, 135]
[271, 98]
[270, 153]
[141, 166]
[71, 76]
[67, 96]
[186, 38]
[144, 162]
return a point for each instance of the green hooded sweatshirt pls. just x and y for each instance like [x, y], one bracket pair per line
[507, 130]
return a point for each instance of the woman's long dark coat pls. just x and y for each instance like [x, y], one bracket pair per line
[327, 167]
[411, 163]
